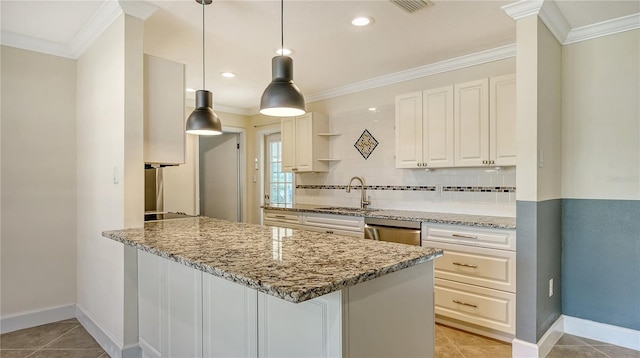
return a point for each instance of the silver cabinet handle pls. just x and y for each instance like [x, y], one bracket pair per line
[465, 265]
[329, 232]
[280, 217]
[464, 236]
[465, 304]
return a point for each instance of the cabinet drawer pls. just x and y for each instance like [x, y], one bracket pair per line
[334, 231]
[337, 222]
[464, 235]
[477, 266]
[275, 217]
[481, 306]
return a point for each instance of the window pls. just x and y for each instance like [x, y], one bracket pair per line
[278, 184]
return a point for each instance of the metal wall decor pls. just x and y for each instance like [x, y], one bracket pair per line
[366, 144]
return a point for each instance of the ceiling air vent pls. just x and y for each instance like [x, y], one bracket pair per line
[412, 6]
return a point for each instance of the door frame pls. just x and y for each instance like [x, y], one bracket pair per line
[261, 138]
[242, 170]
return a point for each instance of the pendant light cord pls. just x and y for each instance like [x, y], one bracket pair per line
[203, 76]
[282, 27]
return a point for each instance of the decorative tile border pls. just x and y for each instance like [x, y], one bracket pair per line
[475, 189]
[481, 189]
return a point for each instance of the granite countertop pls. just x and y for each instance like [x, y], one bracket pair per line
[498, 222]
[294, 265]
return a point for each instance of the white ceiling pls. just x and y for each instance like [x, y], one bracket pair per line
[242, 36]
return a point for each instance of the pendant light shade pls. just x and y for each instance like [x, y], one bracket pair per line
[282, 98]
[203, 120]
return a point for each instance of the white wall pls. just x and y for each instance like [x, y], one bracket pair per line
[601, 118]
[38, 181]
[110, 174]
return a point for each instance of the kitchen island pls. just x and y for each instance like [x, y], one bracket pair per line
[210, 287]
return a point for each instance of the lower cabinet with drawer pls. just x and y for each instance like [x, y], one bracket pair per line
[475, 286]
[327, 223]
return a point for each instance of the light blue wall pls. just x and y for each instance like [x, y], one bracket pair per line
[601, 261]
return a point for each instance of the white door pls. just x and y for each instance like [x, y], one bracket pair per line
[278, 183]
[219, 177]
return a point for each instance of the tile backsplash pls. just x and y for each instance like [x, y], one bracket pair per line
[486, 191]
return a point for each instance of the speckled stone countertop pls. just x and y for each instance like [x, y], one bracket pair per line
[294, 265]
[498, 222]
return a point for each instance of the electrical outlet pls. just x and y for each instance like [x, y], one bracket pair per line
[550, 287]
[439, 189]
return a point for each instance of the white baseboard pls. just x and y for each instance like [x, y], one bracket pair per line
[106, 340]
[619, 336]
[523, 349]
[30, 319]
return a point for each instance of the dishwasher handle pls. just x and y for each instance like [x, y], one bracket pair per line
[371, 233]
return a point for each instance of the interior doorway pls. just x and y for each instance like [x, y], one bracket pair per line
[221, 176]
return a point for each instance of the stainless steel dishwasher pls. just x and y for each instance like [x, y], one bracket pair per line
[400, 231]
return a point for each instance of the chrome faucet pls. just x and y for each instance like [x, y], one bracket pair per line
[363, 201]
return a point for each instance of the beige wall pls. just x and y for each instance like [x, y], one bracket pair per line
[601, 118]
[38, 181]
[110, 174]
[527, 109]
[549, 121]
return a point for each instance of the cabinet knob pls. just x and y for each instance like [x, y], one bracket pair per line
[419, 164]
[484, 162]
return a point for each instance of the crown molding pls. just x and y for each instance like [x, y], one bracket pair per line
[34, 44]
[522, 9]
[555, 21]
[99, 21]
[233, 110]
[453, 64]
[604, 28]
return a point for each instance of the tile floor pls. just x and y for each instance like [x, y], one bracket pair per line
[54, 340]
[69, 339]
[454, 343]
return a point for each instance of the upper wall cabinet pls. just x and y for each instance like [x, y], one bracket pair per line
[502, 120]
[472, 123]
[302, 144]
[424, 129]
[164, 117]
[485, 122]
[469, 124]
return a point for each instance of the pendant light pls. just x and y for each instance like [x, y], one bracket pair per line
[203, 120]
[282, 98]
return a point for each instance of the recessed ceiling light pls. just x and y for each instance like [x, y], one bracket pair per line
[284, 51]
[190, 90]
[228, 74]
[373, 109]
[362, 21]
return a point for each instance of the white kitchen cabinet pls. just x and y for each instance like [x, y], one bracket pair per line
[475, 279]
[230, 318]
[304, 143]
[169, 308]
[424, 129]
[471, 114]
[469, 124]
[287, 329]
[328, 223]
[164, 117]
[502, 120]
[409, 130]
